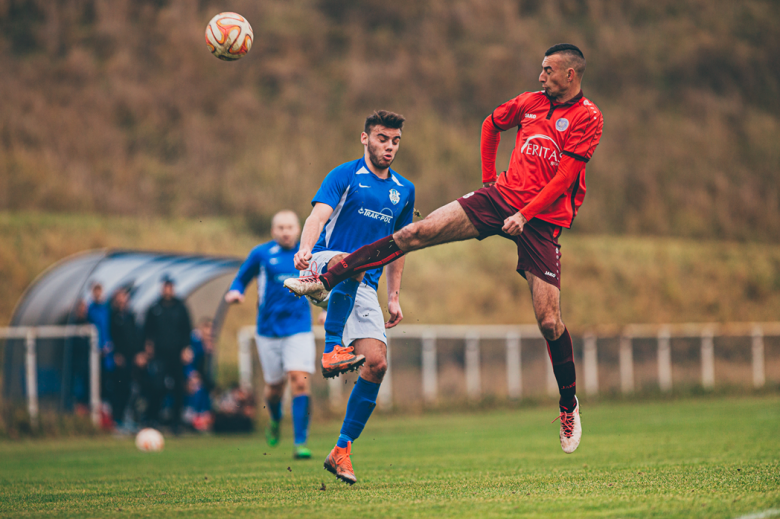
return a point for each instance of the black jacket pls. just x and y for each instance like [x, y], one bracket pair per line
[124, 334]
[168, 327]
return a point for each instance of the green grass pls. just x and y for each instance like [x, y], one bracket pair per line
[691, 458]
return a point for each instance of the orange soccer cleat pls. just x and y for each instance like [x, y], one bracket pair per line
[339, 464]
[340, 360]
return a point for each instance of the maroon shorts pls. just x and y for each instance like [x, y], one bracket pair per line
[538, 250]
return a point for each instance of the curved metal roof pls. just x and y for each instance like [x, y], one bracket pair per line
[52, 298]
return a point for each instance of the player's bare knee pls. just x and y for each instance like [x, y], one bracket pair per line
[299, 383]
[551, 327]
[412, 237]
[377, 368]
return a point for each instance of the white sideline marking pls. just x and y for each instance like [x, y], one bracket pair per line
[772, 512]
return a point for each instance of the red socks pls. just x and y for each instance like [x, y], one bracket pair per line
[562, 356]
[373, 255]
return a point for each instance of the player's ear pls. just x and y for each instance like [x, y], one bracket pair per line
[364, 138]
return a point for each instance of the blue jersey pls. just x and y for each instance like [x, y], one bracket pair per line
[279, 312]
[365, 209]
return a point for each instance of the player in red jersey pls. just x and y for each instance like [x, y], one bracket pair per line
[540, 193]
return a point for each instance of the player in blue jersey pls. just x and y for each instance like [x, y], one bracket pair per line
[358, 202]
[285, 342]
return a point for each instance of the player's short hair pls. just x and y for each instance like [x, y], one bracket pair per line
[574, 56]
[384, 118]
[284, 212]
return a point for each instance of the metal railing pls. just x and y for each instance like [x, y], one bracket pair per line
[513, 336]
[31, 334]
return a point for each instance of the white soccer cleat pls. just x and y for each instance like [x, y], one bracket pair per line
[310, 286]
[571, 429]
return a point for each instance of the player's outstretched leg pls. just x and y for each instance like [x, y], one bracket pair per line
[361, 404]
[546, 298]
[338, 359]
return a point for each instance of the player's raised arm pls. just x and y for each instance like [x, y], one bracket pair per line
[488, 147]
[311, 233]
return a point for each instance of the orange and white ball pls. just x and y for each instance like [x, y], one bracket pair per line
[149, 440]
[229, 36]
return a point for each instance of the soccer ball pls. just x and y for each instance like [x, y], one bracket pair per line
[149, 440]
[229, 36]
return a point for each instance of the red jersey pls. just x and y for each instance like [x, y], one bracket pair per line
[552, 139]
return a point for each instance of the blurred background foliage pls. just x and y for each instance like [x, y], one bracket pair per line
[115, 107]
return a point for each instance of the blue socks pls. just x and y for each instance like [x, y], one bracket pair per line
[275, 410]
[361, 404]
[340, 304]
[300, 417]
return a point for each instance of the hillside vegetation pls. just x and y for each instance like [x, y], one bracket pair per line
[116, 107]
[606, 280]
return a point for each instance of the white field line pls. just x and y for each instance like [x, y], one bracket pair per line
[772, 512]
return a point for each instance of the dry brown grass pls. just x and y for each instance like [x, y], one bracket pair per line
[115, 107]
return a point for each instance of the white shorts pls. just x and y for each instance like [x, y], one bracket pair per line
[280, 355]
[366, 320]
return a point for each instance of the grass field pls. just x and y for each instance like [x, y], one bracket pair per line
[691, 458]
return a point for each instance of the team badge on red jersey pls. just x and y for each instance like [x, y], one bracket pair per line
[561, 124]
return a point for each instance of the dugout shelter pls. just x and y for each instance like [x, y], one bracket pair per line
[52, 299]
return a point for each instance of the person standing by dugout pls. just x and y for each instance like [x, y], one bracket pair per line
[167, 331]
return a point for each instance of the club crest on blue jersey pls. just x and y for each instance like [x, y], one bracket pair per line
[395, 196]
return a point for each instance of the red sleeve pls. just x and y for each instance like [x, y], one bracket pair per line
[510, 114]
[568, 171]
[488, 148]
[505, 116]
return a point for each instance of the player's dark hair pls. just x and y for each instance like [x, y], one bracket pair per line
[384, 118]
[574, 56]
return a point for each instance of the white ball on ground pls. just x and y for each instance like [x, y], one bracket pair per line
[149, 440]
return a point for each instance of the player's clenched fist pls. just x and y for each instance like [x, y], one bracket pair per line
[301, 259]
[513, 225]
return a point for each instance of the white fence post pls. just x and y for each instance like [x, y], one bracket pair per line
[245, 337]
[430, 383]
[31, 365]
[626, 364]
[385, 396]
[591, 365]
[334, 392]
[759, 375]
[707, 359]
[94, 376]
[514, 371]
[473, 382]
[664, 360]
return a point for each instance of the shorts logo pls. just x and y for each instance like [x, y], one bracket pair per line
[548, 273]
[395, 196]
[344, 264]
[470, 194]
[530, 116]
[561, 124]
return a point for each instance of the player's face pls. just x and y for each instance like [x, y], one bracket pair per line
[555, 76]
[285, 230]
[382, 145]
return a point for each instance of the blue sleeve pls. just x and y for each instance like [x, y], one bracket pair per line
[248, 271]
[407, 215]
[334, 186]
